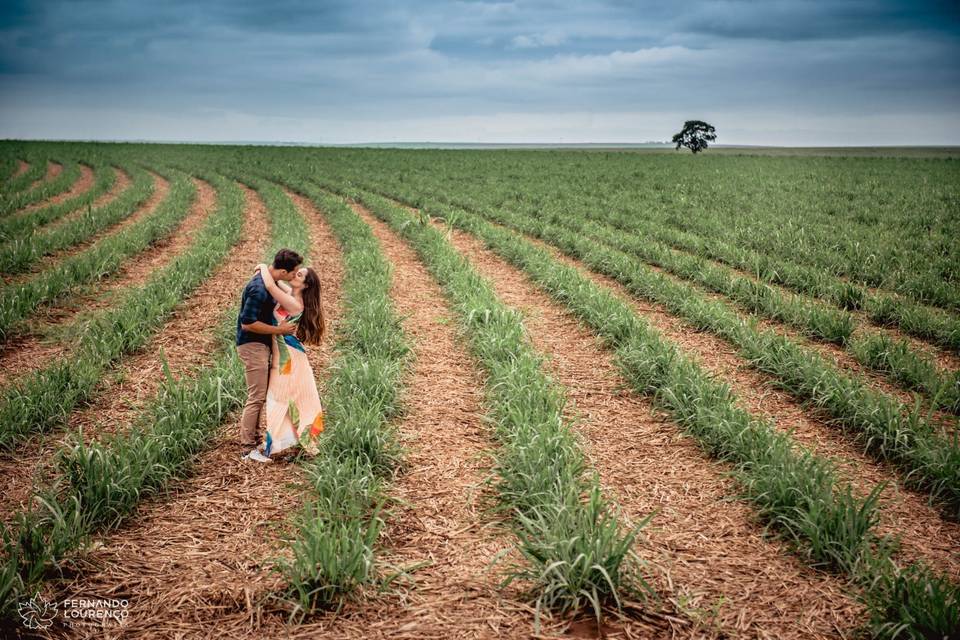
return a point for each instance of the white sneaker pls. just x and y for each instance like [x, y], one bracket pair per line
[256, 456]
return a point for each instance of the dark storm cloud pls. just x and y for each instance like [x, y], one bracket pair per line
[302, 66]
[826, 20]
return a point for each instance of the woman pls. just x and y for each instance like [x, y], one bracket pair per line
[293, 411]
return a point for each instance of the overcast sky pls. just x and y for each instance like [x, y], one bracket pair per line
[780, 72]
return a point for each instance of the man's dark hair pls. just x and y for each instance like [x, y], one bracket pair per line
[287, 259]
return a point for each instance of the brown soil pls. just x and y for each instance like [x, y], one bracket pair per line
[706, 553]
[197, 561]
[22, 168]
[125, 390]
[905, 513]
[83, 184]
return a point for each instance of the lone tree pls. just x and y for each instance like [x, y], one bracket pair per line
[695, 135]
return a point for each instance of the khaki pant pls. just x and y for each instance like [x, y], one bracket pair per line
[256, 368]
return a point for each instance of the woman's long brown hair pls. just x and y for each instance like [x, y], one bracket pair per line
[312, 325]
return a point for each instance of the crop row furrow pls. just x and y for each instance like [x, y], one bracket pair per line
[27, 222]
[931, 324]
[794, 490]
[895, 359]
[48, 189]
[339, 524]
[135, 376]
[884, 426]
[22, 253]
[882, 309]
[578, 550]
[99, 483]
[879, 259]
[218, 498]
[701, 537]
[105, 256]
[85, 180]
[28, 407]
[35, 169]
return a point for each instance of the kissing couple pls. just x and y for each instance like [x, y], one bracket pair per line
[281, 310]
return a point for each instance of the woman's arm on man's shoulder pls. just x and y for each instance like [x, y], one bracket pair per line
[286, 300]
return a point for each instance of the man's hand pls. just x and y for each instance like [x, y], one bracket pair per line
[283, 329]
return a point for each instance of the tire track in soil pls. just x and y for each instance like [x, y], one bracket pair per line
[196, 562]
[700, 546]
[83, 184]
[904, 512]
[439, 518]
[125, 387]
[161, 188]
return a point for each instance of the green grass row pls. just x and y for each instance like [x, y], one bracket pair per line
[36, 170]
[910, 369]
[837, 215]
[885, 428]
[68, 175]
[795, 491]
[897, 360]
[44, 398]
[18, 226]
[332, 550]
[96, 485]
[578, 551]
[886, 243]
[912, 317]
[106, 256]
[20, 254]
[8, 166]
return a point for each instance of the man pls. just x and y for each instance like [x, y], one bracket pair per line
[255, 330]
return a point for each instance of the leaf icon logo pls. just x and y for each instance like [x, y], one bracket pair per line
[37, 613]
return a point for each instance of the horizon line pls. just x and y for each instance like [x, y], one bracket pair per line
[433, 143]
